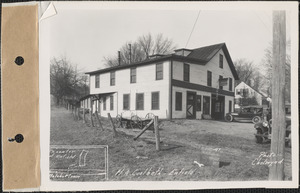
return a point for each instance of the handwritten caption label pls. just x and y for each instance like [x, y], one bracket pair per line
[265, 159]
[78, 163]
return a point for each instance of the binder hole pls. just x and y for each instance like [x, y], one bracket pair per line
[19, 60]
[19, 138]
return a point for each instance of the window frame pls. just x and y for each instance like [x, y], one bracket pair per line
[161, 71]
[136, 101]
[111, 102]
[133, 75]
[104, 103]
[186, 73]
[221, 61]
[97, 81]
[178, 104]
[128, 108]
[209, 78]
[220, 78]
[113, 78]
[158, 100]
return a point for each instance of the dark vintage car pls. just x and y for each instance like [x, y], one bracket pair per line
[264, 130]
[251, 113]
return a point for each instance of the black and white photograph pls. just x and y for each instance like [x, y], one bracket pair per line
[179, 92]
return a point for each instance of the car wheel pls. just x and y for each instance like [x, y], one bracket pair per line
[259, 139]
[229, 118]
[256, 119]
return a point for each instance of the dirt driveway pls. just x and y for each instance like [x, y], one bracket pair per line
[226, 150]
[238, 129]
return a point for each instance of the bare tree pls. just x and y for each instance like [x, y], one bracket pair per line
[267, 64]
[141, 49]
[65, 80]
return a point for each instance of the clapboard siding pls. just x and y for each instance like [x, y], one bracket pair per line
[145, 83]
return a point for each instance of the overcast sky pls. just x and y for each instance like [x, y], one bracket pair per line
[85, 36]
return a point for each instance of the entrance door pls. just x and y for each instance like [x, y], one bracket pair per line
[191, 105]
[206, 105]
[217, 111]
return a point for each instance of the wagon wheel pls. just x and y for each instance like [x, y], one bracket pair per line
[256, 119]
[229, 118]
[118, 122]
[261, 139]
[136, 122]
[149, 116]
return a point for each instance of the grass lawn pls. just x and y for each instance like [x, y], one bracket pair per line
[190, 149]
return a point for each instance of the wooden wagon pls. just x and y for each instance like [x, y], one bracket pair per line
[132, 121]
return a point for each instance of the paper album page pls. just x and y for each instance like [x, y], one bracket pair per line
[168, 95]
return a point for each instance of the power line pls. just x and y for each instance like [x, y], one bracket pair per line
[193, 28]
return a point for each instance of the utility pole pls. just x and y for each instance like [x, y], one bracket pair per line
[276, 171]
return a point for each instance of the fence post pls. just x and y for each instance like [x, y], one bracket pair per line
[83, 112]
[157, 138]
[91, 113]
[100, 124]
[78, 113]
[112, 124]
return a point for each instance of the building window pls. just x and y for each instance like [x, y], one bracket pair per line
[126, 101]
[198, 103]
[112, 78]
[230, 106]
[132, 75]
[111, 100]
[97, 81]
[209, 77]
[220, 79]
[159, 72]
[221, 61]
[155, 100]
[104, 103]
[178, 101]
[230, 84]
[139, 101]
[186, 72]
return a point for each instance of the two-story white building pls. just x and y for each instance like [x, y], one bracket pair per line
[185, 84]
[244, 91]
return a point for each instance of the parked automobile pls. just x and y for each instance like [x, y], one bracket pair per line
[251, 113]
[264, 130]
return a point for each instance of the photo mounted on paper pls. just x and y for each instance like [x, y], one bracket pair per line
[171, 94]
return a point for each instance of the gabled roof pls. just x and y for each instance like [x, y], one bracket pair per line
[251, 88]
[199, 56]
[208, 52]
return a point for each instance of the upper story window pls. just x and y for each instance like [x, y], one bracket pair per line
[159, 71]
[221, 61]
[209, 77]
[220, 78]
[132, 75]
[230, 84]
[186, 72]
[97, 81]
[112, 78]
